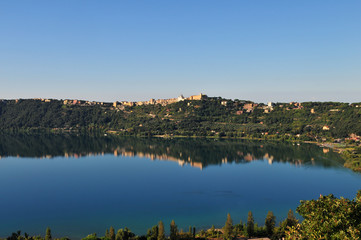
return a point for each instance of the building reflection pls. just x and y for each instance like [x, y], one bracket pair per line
[185, 152]
[122, 152]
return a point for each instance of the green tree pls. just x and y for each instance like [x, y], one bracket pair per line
[152, 233]
[228, 228]
[213, 231]
[63, 238]
[173, 231]
[202, 233]
[92, 236]
[270, 223]
[250, 224]
[111, 233]
[328, 218]
[48, 234]
[239, 228]
[119, 235]
[291, 220]
[107, 234]
[124, 234]
[161, 234]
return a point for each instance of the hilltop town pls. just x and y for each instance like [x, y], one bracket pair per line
[248, 106]
[122, 104]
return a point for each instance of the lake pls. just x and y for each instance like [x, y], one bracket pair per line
[79, 185]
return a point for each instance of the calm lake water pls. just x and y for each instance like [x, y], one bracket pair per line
[78, 185]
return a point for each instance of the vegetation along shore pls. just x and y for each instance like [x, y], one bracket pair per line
[327, 217]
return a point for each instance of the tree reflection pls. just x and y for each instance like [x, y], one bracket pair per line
[194, 152]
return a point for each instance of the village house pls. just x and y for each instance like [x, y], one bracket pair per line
[116, 104]
[164, 102]
[91, 103]
[197, 97]
[271, 104]
[181, 98]
[269, 107]
[354, 137]
[224, 103]
[129, 104]
[249, 107]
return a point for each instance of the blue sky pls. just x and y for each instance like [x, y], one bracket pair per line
[307, 50]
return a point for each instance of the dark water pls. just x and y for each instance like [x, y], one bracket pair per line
[78, 185]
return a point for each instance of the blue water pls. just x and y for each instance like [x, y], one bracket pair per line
[79, 196]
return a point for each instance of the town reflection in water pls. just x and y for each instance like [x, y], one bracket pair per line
[198, 153]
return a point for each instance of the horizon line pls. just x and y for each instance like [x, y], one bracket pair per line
[119, 101]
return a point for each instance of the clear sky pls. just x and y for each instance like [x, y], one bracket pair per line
[303, 50]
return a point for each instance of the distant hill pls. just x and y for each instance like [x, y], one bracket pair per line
[210, 116]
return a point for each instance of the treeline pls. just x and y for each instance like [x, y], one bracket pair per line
[211, 117]
[325, 218]
[157, 232]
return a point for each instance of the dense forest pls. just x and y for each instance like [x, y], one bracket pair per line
[216, 117]
[325, 218]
